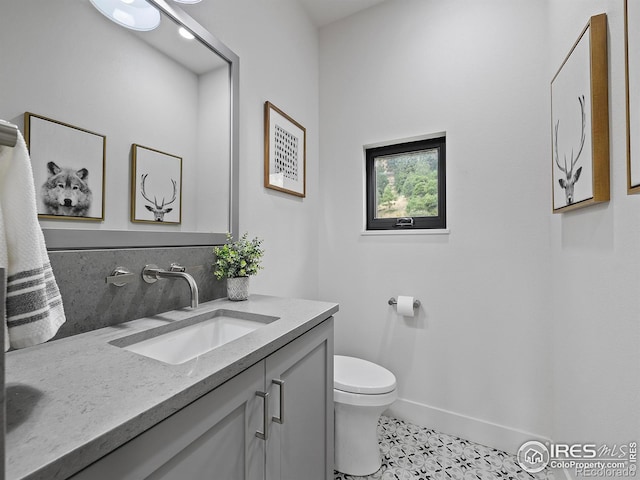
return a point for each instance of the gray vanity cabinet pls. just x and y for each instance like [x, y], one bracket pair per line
[215, 436]
[301, 374]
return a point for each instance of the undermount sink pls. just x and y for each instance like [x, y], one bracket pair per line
[187, 339]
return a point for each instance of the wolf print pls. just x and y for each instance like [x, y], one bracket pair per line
[66, 191]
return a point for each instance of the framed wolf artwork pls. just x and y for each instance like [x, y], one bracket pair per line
[68, 165]
[156, 186]
[580, 122]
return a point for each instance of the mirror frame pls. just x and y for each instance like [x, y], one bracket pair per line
[73, 239]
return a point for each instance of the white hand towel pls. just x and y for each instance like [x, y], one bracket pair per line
[34, 310]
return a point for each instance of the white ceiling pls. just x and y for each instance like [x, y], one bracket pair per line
[323, 12]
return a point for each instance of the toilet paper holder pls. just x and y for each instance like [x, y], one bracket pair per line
[393, 301]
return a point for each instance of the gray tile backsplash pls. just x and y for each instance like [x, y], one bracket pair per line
[90, 303]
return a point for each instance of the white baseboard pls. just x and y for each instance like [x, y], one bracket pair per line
[479, 431]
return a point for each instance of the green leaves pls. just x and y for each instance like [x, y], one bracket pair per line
[238, 259]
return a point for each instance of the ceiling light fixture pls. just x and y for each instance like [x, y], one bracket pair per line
[184, 33]
[134, 14]
[187, 1]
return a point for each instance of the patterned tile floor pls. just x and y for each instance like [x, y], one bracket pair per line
[410, 452]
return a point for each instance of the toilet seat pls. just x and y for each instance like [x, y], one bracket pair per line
[358, 376]
[364, 400]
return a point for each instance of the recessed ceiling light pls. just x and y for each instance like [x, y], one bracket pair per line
[134, 14]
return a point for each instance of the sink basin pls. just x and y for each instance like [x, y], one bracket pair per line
[187, 339]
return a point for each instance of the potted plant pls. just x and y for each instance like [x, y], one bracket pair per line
[237, 261]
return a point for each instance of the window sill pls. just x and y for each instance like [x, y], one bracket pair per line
[433, 231]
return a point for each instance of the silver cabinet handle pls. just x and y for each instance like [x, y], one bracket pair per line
[265, 413]
[280, 419]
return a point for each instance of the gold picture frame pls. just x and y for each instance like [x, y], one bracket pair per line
[632, 76]
[580, 122]
[156, 186]
[68, 164]
[285, 152]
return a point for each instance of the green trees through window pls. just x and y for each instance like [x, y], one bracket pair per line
[406, 185]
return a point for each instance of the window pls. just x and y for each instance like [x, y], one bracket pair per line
[406, 185]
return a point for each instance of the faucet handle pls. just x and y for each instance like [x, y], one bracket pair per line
[149, 273]
[176, 267]
[120, 277]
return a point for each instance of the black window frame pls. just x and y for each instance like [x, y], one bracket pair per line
[403, 223]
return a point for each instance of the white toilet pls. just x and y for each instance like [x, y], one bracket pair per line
[362, 390]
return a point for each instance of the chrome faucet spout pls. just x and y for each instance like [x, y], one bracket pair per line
[152, 273]
[192, 283]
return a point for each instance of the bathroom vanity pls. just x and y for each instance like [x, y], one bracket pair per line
[257, 407]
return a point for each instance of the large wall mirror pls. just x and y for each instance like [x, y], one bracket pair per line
[66, 61]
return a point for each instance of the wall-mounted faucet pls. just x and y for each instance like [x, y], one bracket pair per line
[152, 273]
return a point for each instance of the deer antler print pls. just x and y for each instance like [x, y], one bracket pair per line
[571, 178]
[158, 210]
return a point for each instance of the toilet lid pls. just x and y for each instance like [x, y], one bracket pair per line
[356, 375]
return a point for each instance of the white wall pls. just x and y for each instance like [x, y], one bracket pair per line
[530, 320]
[214, 130]
[477, 360]
[595, 277]
[278, 49]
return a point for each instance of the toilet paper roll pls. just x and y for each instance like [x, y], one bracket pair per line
[405, 306]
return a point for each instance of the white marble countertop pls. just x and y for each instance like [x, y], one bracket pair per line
[73, 400]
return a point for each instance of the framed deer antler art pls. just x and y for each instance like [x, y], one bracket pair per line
[156, 186]
[580, 122]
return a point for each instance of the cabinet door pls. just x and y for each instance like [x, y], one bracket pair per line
[301, 447]
[212, 438]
